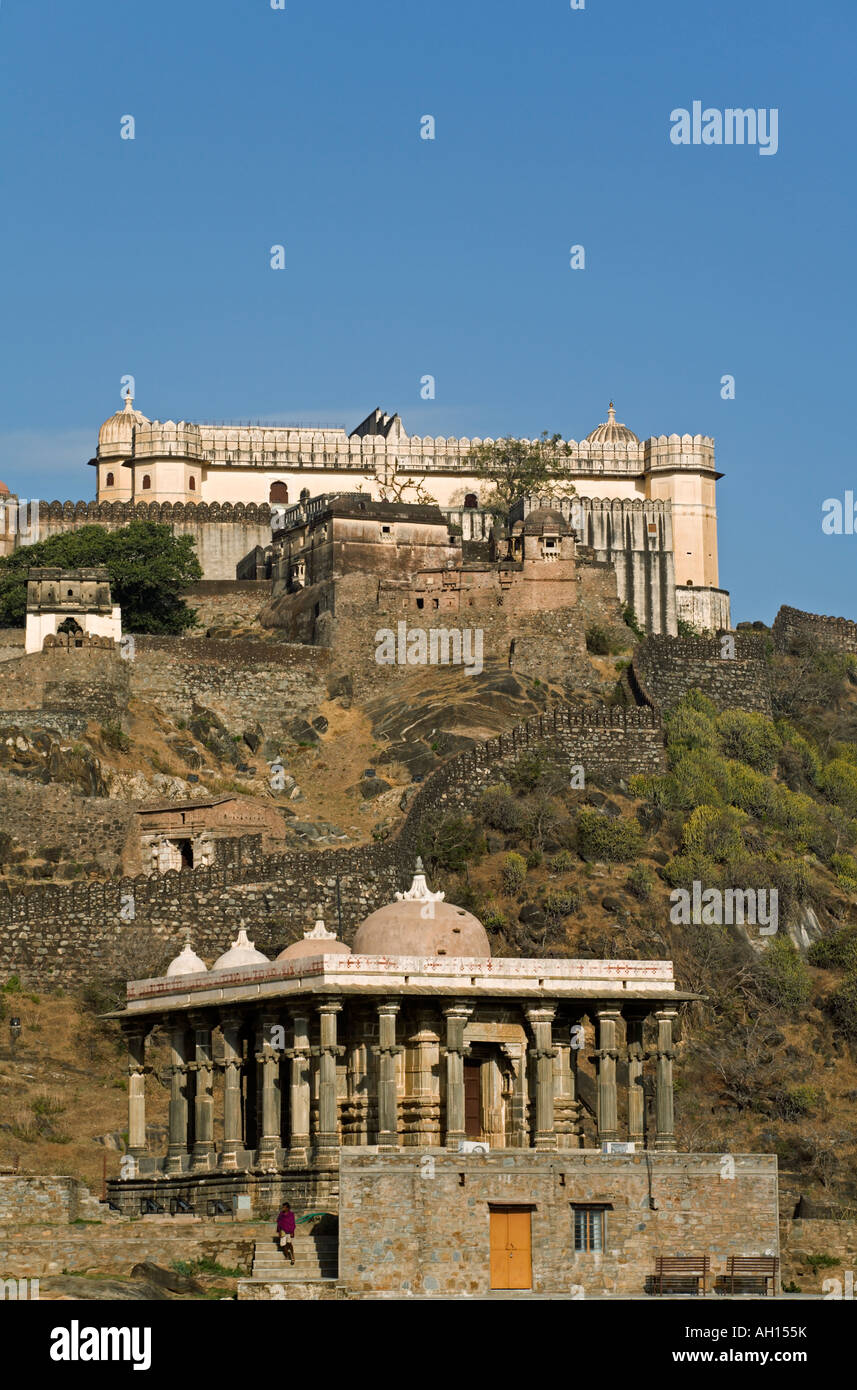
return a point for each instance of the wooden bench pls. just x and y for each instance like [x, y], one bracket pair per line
[672, 1267]
[753, 1267]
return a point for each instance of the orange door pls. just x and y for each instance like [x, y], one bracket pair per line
[511, 1249]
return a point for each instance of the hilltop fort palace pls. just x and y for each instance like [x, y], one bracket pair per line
[647, 507]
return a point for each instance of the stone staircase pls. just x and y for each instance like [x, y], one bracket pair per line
[316, 1257]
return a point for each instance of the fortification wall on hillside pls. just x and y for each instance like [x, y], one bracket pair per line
[666, 668]
[244, 682]
[65, 935]
[223, 533]
[792, 625]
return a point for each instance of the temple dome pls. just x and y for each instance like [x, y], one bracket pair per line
[242, 952]
[546, 521]
[186, 963]
[316, 942]
[4, 491]
[420, 923]
[612, 431]
[116, 435]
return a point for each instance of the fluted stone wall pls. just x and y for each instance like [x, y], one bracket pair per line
[792, 625]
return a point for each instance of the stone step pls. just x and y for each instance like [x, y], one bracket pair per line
[313, 1260]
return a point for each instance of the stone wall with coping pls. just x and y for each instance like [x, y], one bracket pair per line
[411, 1227]
[668, 667]
[792, 625]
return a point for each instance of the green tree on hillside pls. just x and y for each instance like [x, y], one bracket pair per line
[149, 568]
[513, 468]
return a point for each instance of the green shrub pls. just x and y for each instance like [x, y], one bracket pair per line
[450, 842]
[692, 724]
[751, 738]
[641, 882]
[114, 736]
[614, 841]
[842, 1007]
[561, 902]
[838, 781]
[785, 980]
[845, 868]
[715, 833]
[500, 810]
[514, 872]
[526, 774]
[563, 862]
[534, 858]
[597, 640]
[835, 952]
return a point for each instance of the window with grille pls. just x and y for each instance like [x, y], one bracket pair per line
[588, 1228]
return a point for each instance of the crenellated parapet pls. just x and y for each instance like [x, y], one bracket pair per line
[166, 513]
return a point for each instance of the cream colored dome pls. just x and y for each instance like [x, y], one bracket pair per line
[612, 431]
[186, 963]
[420, 923]
[242, 952]
[116, 435]
[546, 521]
[316, 942]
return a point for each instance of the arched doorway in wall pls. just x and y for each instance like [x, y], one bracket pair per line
[279, 493]
[72, 630]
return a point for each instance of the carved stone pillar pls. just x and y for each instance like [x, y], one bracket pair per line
[137, 1070]
[179, 1077]
[606, 1057]
[664, 1106]
[456, 1017]
[355, 1111]
[327, 1138]
[268, 1058]
[387, 1052]
[232, 1059]
[421, 1105]
[540, 1018]
[299, 1086]
[518, 1096]
[636, 1094]
[203, 1104]
[566, 1107]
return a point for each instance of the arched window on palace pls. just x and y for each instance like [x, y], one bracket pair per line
[471, 500]
[279, 493]
[191, 482]
[147, 482]
[108, 481]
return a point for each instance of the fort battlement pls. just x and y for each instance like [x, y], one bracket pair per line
[792, 625]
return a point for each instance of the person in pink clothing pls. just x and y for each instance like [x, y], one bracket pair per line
[286, 1231]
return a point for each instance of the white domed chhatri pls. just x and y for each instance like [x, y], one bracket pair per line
[420, 923]
[186, 963]
[317, 941]
[242, 952]
[116, 435]
[612, 431]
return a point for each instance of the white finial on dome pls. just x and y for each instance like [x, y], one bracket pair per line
[419, 889]
[319, 933]
[129, 401]
[187, 962]
[611, 412]
[241, 952]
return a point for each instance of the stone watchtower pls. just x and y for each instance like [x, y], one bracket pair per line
[70, 608]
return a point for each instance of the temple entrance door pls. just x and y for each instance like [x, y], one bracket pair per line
[472, 1098]
[511, 1248]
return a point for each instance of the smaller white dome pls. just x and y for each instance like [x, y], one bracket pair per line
[187, 963]
[241, 952]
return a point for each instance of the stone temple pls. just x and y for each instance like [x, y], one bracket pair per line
[415, 1081]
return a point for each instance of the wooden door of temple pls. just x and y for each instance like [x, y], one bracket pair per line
[511, 1248]
[472, 1098]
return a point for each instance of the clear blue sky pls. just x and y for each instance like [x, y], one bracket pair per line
[405, 257]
